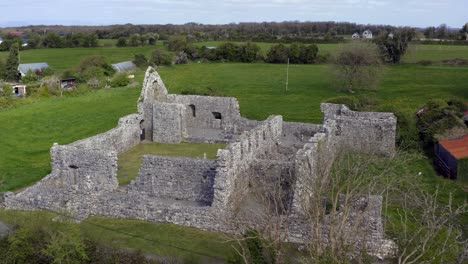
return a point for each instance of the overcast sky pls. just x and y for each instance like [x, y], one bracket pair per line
[420, 13]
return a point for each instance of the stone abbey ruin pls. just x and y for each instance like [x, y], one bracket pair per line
[204, 193]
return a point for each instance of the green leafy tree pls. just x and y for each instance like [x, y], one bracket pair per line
[2, 70]
[249, 52]
[121, 42]
[152, 38]
[178, 43]
[134, 41]
[228, 51]
[53, 40]
[394, 46]
[90, 40]
[161, 57]
[66, 245]
[143, 40]
[12, 63]
[308, 54]
[278, 54]
[295, 53]
[464, 32]
[140, 60]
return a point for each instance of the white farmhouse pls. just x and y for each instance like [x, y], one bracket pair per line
[356, 36]
[367, 34]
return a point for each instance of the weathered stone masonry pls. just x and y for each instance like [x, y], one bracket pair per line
[197, 192]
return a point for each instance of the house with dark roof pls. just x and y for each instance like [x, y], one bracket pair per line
[452, 158]
[125, 66]
[34, 67]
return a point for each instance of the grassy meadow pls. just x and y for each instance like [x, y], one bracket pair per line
[166, 239]
[28, 131]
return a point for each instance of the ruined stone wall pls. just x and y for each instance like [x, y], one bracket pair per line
[299, 132]
[175, 178]
[169, 121]
[238, 157]
[77, 176]
[201, 111]
[153, 91]
[119, 139]
[362, 131]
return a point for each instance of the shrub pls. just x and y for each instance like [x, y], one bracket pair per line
[438, 117]
[181, 58]
[140, 61]
[407, 134]
[425, 62]
[94, 83]
[120, 80]
[350, 101]
[366, 102]
[161, 57]
[53, 85]
[94, 66]
[6, 91]
[30, 77]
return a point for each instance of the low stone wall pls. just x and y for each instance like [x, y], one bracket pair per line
[237, 158]
[119, 139]
[176, 178]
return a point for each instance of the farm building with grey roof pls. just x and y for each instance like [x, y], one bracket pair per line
[34, 67]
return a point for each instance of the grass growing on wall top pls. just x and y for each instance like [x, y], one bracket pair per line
[129, 162]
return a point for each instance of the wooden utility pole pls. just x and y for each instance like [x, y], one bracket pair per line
[287, 76]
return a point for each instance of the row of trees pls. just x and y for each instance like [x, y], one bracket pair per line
[138, 40]
[51, 40]
[231, 52]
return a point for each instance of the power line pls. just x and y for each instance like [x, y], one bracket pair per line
[122, 232]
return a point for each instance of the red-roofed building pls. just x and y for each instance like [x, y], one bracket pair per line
[17, 33]
[452, 158]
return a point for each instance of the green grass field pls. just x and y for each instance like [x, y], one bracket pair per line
[63, 59]
[28, 131]
[168, 237]
[260, 88]
[130, 161]
[435, 53]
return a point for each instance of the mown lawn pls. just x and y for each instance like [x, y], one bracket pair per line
[164, 240]
[130, 161]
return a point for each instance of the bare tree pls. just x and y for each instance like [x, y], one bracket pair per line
[356, 66]
[261, 214]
